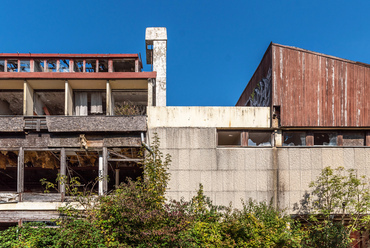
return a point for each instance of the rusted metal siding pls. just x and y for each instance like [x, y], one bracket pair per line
[316, 90]
[258, 75]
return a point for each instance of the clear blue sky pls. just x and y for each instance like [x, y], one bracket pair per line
[213, 46]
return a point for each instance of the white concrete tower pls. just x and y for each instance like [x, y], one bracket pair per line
[156, 55]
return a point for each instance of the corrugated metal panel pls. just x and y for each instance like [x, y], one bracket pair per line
[260, 73]
[316, 90]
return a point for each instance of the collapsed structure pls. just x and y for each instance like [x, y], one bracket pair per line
[84, 115]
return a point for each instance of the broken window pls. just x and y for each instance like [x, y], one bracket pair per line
[49, 102]
[40, 165]
[129, 102]
[353, 139]
[103, 65]
[52, 66]
[229, 138]
[2, 65]
[123, 65]
[64, 65]
[25, 66]
[39, 65]
[11, 102]
[8, 171]
[259, 139]
[90, 66]
[294, 139]
[325, 139]
[90, 102]
[85, 166]
[123, 164]
[12, 65]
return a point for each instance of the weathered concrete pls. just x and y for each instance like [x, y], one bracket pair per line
[11, 124]
[96, 123]
[157, 37]
[220, 117]
[282, 174]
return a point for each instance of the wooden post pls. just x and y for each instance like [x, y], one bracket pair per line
[117, 178]
[368, 138]
[63, 179]
[20, 172]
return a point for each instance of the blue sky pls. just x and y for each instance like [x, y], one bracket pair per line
[213, 46]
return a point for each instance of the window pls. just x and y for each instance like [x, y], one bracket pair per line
[12, 65]
[25, 66]
[2, 65]
[90, 102]
[353, 139]
[52, 66]
[243, 138]
[294, 139]
[64, 65]
[229, 138]
[259, 139]
[325, 139]
[39, 65]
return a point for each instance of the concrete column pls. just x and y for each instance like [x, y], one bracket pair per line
[20, 171]
[151, 89]
[68, 102]
[110, 100]
[27, 99]
[63, 179]
[100, 174]
[105, 170]
[156, 47]
[278, 134]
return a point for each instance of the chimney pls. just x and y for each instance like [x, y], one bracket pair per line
[156, 52]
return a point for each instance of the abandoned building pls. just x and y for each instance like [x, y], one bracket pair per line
[87, 115]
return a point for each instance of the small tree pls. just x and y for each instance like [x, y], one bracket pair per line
[337, 206]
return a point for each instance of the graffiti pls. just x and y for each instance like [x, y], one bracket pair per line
[261, 95]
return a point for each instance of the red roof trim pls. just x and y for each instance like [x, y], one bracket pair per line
[57, 55]
[78, 75]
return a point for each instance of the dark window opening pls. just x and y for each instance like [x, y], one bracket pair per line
[2, 65]
[325, 139]
[40, 165]
[103, 65]
[123, 164]
[83, 165]
[78, 66]
[129, 102]
[353, 139]
[90, 65]
[229, 138]
[294, 139]
[6, 225]
[11, 102]
[8, 171]
[52, 65]
[123, 65]
[12, 65]
[49, 102]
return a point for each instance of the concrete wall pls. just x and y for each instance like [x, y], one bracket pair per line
[220, 117]
[229, 174]
[189, 135]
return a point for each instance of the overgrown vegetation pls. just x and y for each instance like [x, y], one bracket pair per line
[137, 214]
